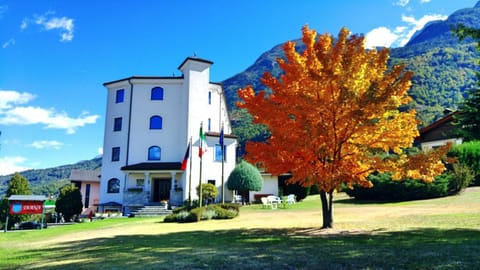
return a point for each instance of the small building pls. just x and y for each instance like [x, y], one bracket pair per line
[439, 133]
[88, 182]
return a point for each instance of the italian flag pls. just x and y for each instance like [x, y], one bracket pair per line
[203, 143]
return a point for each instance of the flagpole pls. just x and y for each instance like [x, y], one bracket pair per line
[200, 153]
[223, 163]
[190, 175]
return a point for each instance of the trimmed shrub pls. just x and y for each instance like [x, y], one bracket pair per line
[468, 154]
[209, 214]
[244, 178]
[230, 206]
[196, 214]
[209, 192]
[212, 211]
[384, 189]
[170, 218]
[314, 190]
[180, 209]
[461, 177]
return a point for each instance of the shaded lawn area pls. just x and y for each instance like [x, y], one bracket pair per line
[292, 248]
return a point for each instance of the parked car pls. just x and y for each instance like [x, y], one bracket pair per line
[31, 225]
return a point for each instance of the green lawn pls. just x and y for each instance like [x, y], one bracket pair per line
[430, 234]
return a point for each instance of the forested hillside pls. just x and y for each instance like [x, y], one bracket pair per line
[48, 181]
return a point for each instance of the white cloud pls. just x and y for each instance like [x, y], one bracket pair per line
[380, 37]
[3, 10]
[63, 25]
[30, 115]
[46, 144]
[416, 25]
[425, 1]
[9, 165]
[402, 3]
[383, 36]
[9, 98]
[9, 43]
[24, 24]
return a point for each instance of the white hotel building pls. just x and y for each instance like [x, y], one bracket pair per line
[149, 123]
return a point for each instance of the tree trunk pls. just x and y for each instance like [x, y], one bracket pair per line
[327, 209]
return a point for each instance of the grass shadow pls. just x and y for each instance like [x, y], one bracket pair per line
[298, 248]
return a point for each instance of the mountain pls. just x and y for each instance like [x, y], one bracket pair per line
[444, 67]
[48, 181]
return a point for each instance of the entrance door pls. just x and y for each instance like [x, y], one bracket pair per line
[161, 189]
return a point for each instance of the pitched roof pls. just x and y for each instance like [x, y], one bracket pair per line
[85, 175]
[436, 124]
[27, 198]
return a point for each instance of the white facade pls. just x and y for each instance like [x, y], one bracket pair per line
[147, 134]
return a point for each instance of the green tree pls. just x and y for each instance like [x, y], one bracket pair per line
[18, 185]
[244, 178]
[209, 192]
[468, 154]
[469, 117]
[69, 202]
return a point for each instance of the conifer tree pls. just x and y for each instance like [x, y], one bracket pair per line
[468, 118]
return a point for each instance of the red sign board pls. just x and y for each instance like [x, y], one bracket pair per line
[26, 207]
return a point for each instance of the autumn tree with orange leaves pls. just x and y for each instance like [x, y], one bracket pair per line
[334, 115]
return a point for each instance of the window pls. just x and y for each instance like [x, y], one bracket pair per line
[155, 122]
[86, 204]
[218, 152]
[209, 98]
[210, 181]
[209, 124]
[140, 182]
[117, 125]
[120, 95]
[154, 153]
[115, 153]
[113, 186]
[157, 93]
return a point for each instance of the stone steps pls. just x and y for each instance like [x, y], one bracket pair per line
[150, 211]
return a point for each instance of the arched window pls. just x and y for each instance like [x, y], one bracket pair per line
[157, 93]
[154, 153]
[156, 122]
[113, 186]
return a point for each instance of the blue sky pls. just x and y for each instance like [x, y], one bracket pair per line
[55, 55]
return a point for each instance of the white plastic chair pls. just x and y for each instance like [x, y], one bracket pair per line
[291, 199]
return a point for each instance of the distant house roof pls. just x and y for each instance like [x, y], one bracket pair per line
[440, 129]
[85, 175]
[153, 166]
[36, 198]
